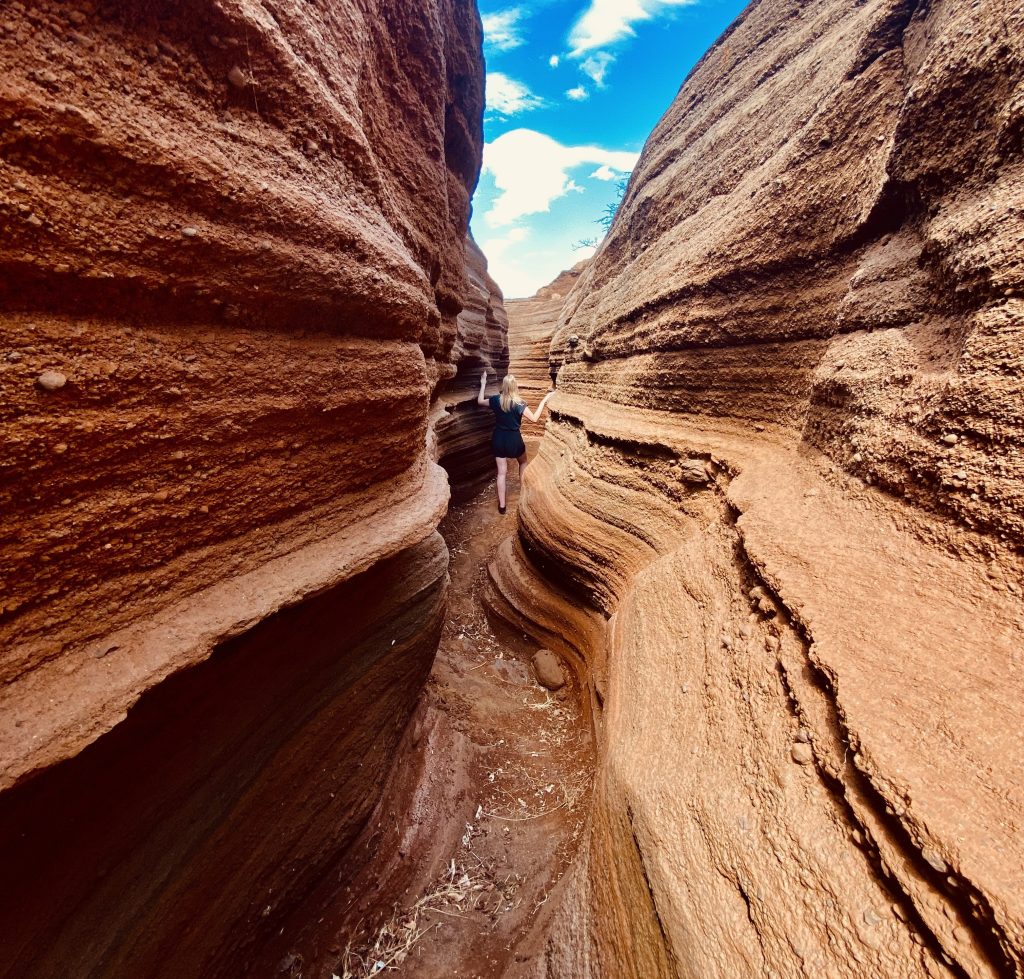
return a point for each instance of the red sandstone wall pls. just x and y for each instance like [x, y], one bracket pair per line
[236, 234]
[775, 523]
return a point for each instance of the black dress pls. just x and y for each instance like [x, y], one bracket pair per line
[506, 442]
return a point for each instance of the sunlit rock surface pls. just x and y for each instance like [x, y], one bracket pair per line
[776, 522]
[232, 259]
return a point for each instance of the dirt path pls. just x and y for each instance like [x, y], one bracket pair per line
[494, 791]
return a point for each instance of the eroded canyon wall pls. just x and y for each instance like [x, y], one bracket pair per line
[776, 520]
[231, 264]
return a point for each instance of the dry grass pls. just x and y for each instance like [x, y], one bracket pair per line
[548, 703]
[456, 893]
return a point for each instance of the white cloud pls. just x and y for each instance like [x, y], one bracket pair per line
[531, 170]
[606, 22]
[554, 60]
[502, 30]
[606, 173]
[578, 94]
[596, 66]
[507, 97]
[521, 270]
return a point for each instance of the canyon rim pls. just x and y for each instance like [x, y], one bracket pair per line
[772, 529]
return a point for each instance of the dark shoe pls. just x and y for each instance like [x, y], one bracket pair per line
[502, 509]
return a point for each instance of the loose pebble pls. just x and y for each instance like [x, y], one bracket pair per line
[950, 439]
[51, 380]
[190, 232]
[237, 77]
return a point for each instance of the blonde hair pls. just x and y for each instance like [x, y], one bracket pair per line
[509, 392]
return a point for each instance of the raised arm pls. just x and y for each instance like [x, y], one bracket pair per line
[480, 399]
[534, 416]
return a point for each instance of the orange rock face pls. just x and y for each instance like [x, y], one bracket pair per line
[233, 258]
[776, 521]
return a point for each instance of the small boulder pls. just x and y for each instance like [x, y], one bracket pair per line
[548, 670]
[51, 380]
[693, 471]
[237, 77]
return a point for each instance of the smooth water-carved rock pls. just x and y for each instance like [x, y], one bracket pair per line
[813, 282]
[234, 264]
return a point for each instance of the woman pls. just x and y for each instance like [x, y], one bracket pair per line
[506, 442]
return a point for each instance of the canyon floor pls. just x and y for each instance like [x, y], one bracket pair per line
[497, 784]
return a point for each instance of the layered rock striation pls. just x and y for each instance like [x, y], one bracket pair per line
[232, 260]
[776, 520]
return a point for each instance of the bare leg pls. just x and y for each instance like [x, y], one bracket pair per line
[502, 473]
[522, 460]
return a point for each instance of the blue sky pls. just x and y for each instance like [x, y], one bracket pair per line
[574, 87]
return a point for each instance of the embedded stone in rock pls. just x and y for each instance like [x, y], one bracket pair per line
[237, 77]
[51, 380]
[693, 471]
[802, 753]
[548, 670]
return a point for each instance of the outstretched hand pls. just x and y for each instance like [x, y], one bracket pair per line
[483, 378]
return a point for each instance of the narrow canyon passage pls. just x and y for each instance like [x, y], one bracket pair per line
[490, 789]
[267, 705]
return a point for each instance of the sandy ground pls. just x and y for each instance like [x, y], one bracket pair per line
[488, 802]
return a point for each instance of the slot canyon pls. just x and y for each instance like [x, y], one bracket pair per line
[270, 700]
